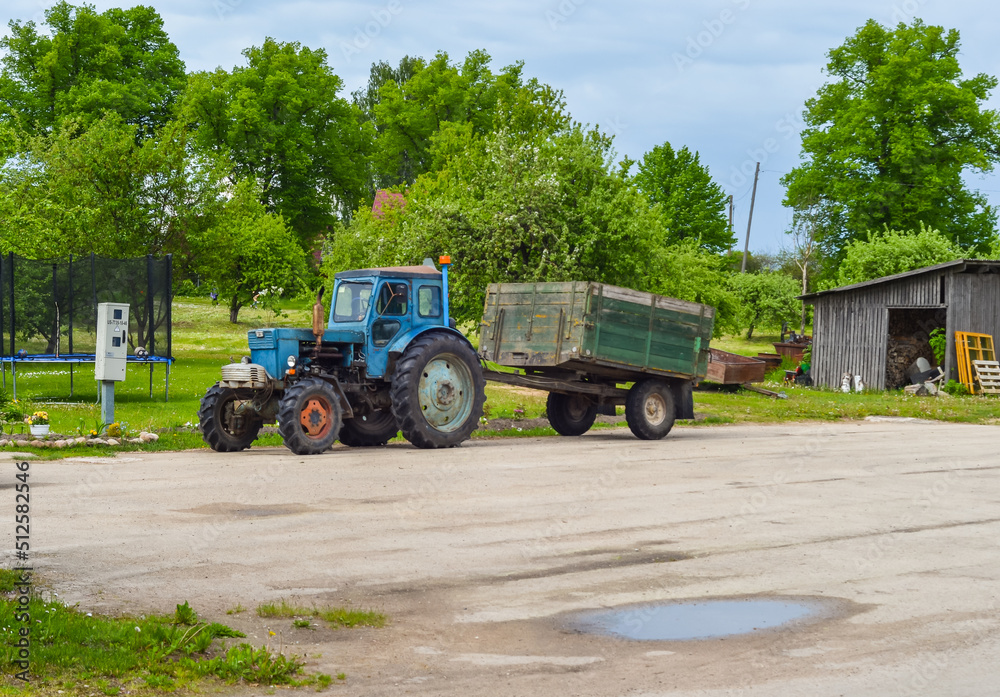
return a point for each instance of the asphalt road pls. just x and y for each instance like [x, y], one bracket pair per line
[479, 555]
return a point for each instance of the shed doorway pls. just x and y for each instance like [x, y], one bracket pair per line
[909, 339]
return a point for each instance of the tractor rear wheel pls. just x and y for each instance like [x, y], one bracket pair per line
[376, 428]
[309, 417]
[438, 391]
[570, 414]
[649, 409]
[221, 427]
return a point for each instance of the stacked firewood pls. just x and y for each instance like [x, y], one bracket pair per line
[903, 351]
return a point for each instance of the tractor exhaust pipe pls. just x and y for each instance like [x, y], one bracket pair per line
[318, 321]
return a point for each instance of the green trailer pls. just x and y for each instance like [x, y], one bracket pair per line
[582, 341]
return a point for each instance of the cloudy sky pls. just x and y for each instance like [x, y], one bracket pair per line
[727, 78]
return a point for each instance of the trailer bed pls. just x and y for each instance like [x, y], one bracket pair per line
[604, 332]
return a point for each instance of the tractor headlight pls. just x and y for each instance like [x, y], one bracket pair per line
[292, 361]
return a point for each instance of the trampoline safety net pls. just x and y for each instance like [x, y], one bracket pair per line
[50, 306]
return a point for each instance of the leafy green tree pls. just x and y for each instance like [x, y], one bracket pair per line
[764, 299]
[688, 272]
[514, 207]
[104, 191]
[894, 251]
[119, 61]
[248, 253]
[381, 73]
[278, 121]
[692, 204]
[421, 121]
[889, 139]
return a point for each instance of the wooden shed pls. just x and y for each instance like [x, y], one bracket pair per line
[877, 329]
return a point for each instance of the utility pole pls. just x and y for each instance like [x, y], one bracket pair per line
[753, 197]
[730, 223]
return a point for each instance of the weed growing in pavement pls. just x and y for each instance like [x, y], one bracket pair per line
[336, 616]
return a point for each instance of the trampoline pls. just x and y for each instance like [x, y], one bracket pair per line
[49, 304]
[75, 359]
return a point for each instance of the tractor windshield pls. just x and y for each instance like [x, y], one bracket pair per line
[351, 304]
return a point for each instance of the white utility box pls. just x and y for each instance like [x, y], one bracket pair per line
[112, 341]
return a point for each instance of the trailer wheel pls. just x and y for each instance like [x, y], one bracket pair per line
[222, 428]
[649, 409]
[309, 417]
[376, 428]
[570, 414]
[438, 391]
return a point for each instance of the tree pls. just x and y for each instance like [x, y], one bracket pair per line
[381, 73]
[421, 120]
[692, 204]
[103, 190]
[888, 141]
[894, 251]
[514, 207]
[688, 272]
[766, 299]
[119, 61]
[248, 253]
[278, 121]
[804, 251]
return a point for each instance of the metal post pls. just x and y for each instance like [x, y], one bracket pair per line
[70, 296]
[55, 301]
[107, 401]
[11, 257]
[753, 197]
[170, 302]
[149, 306]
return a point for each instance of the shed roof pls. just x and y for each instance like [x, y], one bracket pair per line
[957, 266]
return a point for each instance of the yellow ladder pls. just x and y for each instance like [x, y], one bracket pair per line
[972, 347]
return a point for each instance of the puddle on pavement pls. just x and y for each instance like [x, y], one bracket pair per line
[705, 619]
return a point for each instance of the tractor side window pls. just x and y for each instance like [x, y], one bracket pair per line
[392, 299]
[351, 304]
[429, 301]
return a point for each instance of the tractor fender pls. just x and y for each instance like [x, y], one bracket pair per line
[401, 342]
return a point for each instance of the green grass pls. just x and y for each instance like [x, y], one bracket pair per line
[76, 652]
[335, 616]
[204, 340]
[813, 404]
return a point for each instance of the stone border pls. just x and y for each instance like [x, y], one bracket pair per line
[60, 441]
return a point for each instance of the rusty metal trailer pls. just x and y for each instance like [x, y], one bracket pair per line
[583, 341]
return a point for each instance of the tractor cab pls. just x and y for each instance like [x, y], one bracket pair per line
[390, 306]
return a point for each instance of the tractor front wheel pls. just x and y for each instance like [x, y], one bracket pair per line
[438, 391]
[223, 426]
[309, 417]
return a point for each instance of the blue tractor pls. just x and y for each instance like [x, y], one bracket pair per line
[388, 360]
